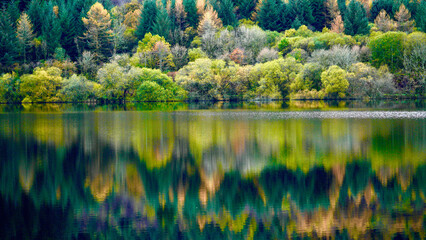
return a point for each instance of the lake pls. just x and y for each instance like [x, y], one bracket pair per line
[299, 169]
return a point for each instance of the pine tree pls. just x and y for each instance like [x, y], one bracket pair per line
[225, 11]
[13, 11]
[337, 24]
[25, 34]
[8, 39]
[269, 15]
[355, 20]
[296, 23]
[69, 25]
[191, 12]
[379, 5]
[384, 23]
[420, 16]
[303, 11]
[402, 18]
[98, 34]
[341, 4]
[318, 12]
[51, 29]
[148, 18]
[162, 25]
[245, 8]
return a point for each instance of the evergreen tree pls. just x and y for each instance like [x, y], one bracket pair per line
[319, 11]
[296, 23]
[420, 16]
[25, 34]
[36, 11]
[148, 18]
[225, 11]
[341, 5]
[192, 16]
[51, 28]
[402, 17]
[245, 8]
[355, 20]
[98, 34]
[162, 25]
[13, 11]
[269, 15]
[303, 11]
[7, 39]
[69, 24]
[378, 5]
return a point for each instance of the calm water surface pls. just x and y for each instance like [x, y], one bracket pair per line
[341, 170]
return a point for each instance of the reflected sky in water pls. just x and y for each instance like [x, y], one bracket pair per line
[345, 170]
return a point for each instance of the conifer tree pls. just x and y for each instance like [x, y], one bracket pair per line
[420, 16]
[162, 25]
[318, 12]
[341, 5]
[379, 5]
[7, 39]
[384, 23]
[98, 34]
[147, 19]
[69, 24]
[192, 16]
[269, 15]
[245, 8]
[51, 28]
[13, 11]
[225, 11]
[337, 24]
[303, 11]
[403, 21]
[355, 20]
[25, 34]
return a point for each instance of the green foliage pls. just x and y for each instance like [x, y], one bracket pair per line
[355, 19]
[78, 89]
[225, 11]
[309, 78]
[150, 91]
[367, 81]
[41, 86]
[269, 15]
[388, 48]
[8, 41]
[334, 82]
[147, 19]
[9, 88]
[192, 16]
[302, 11]
[196, 53]
[378, 5]
[163, 24]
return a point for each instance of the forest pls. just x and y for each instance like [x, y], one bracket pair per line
[178, 50]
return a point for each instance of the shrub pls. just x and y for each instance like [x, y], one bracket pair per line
[267, 55]
[9, 88]
[196, 53]
[367, 81]
[42, 85]
[388, 48]
[309, 78]
[150, 91]
[299, 54]
[78, 89]
[334, 82]
[343, 57]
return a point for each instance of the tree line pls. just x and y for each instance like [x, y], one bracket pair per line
[87, 38]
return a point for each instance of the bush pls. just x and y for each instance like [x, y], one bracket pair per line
[196, 53]
[309, 78]
[150, 91]
[78, 89]
[388, 49]
[9, 88]
[367, 81]
[334, 82]
[267, 55]
[42, 85]
[299, 54]
[343, 57]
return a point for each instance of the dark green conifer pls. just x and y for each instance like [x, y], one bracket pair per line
[269, 15]
[191, 12]
[163, 24]
[8, 41]
[147, 19]
[356, 21]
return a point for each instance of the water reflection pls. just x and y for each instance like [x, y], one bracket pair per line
[109, 173]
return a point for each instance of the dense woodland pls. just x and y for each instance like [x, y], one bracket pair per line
[174, 50]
